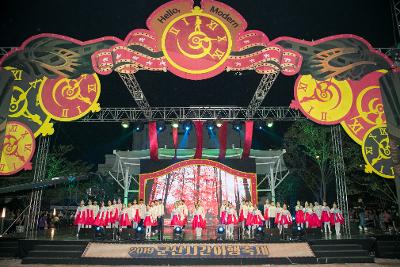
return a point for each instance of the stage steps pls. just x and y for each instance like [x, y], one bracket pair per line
[8, 248]
[55, 252]
[387, 246]
[342, 251]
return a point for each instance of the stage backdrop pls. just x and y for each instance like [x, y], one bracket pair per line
[209, 181]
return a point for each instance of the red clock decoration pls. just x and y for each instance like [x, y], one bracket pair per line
[66, 99]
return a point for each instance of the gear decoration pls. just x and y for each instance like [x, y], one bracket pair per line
[66, 99]
[196, 43]
[325, 102]
[376, 152]
[18, 149]
[24, 106]
[367, 110]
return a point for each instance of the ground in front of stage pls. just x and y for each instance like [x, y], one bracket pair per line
[378, 262]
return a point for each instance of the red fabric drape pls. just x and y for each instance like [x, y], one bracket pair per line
[222, 139]
[248, 137]
[153, 140]
[175, 138]
[198, 125]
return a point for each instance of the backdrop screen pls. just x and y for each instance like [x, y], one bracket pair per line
[211, 182]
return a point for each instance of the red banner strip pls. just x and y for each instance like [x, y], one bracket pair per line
[153, 140]
[198, 125]
[222, 139]
[248, 137]
[175, 138]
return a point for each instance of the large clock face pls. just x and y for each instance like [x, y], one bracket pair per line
[325, 102]
[196, 44]
[18, 148]
[376, 152]
[66, 99]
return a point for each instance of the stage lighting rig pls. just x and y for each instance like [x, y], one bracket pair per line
[237, 125]
[175, 124]
[259, 125]
[178, 233]
[220, 233]
[139, 126]
[270, 123]
[218, 123]
[139, 233]
[259, 235]
[187, 125]
[210, 125]
[125, 124]
[161, 126]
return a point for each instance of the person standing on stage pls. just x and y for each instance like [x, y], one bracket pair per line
[198, 221]
[277, 216]
[135, 214]
[142, 211]
[336, 218]
[318, 211]
[89, 215]
[95, 209]
[222, 213]
[101, 216]
[326, 217]
[266, 213]
[285, 219]
[315, 221]
[231, 220]
[249, 218]
[272, 214]
[175, 215]
[243, 215]
[109, 214]
[124, 220]
[80, 216]
[160, 216]
[258, 219]
[117, 212]
[360, 209]
[149, 220]
[299, 214]
[308, 210]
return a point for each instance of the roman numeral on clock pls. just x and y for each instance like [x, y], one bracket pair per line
[65, 113]
[212, 25]
[218, 53]
[174, 31]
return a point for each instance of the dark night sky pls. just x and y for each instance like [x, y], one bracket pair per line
[311, 19]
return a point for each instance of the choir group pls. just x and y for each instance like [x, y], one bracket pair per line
[117, 215]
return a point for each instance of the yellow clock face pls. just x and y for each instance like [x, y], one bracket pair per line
[18, 148]
[196, 44]
[325, 102]
[376, 152]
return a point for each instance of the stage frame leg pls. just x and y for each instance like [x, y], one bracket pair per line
[340, 175]
[36, 195]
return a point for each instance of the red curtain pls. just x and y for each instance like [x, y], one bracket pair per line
[175, 138]
[248, 137]
[153, 140]
[222, 139]
[198, 125]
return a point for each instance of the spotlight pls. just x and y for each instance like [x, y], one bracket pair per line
[259, 124]
[270, 124]
[139, 234]
[160, 126]
[219, 123]
[298, 233]
[187, 125]
[259, 235]
[138, 126]
[237, 125]
[260, 229]
[178, 230]
[139, 229]
[210, 125]
[125, 124]
[220, 230]
[99, 232]
[175, 124]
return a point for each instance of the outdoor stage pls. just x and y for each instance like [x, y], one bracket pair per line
[62, 247]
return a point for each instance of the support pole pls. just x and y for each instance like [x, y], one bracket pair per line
[126, 186]
[272, 184]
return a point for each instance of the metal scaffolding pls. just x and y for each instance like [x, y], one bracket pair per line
[5, 50]
[262, 90]
[340, 175]
[136, 91]
[36, 195]
[193, 113]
